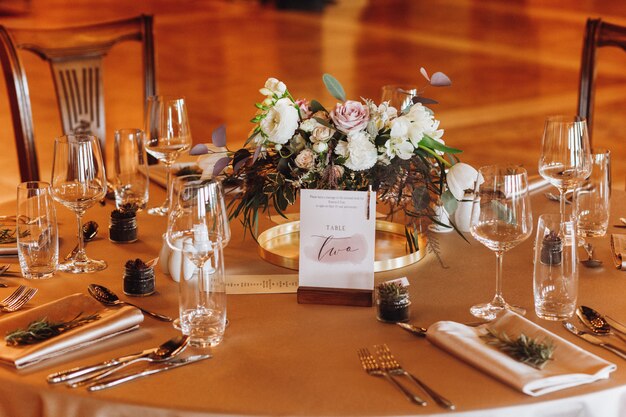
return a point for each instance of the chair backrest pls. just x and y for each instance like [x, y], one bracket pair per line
[75, 57]
[597, 34]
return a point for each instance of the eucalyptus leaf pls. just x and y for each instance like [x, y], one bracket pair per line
[316, 106]
[219, 136]
[220, 164]
[424, 100]
[439, 79]
[449, 202]
[334, 87]
[199, 149]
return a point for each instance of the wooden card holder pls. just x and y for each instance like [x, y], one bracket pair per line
[335, 296]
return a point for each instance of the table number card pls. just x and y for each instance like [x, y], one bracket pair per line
[337, 242]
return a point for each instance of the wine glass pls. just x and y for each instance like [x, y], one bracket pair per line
[197, 224]
[565, 154]
[501, 219]
[167, 135]
[78, 182]
[399, 96]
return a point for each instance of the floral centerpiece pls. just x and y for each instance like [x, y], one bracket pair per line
[353, 145]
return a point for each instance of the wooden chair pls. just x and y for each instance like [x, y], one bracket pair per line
[597, 34]
[75, 57]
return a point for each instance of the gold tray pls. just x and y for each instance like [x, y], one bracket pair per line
[280, 245]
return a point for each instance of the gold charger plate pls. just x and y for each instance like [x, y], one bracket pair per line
[280, 245]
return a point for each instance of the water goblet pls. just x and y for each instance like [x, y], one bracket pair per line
[167, 135]
[565, 159]
[501, 219]
[78, 182]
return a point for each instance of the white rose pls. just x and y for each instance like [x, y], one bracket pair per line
[273, 86]
[305, 159]
[400, 127]
[341, 148]
[362, 152]
[461, 177]
[399, 147]
[322, 133]
[308, 125]
[281, 122]
[320, 147]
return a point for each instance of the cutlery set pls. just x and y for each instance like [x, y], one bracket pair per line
[598, 326]
[388, 367]
[105, 375]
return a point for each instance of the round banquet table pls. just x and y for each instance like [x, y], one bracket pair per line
[282, 358]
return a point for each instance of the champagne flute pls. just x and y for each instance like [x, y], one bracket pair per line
[167, 135]
[565, 154]
[78, 182]
[501, 219]
[197, 227]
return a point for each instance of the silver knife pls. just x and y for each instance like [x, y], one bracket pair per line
[615, 324]
[84, 370]
[417, 331]
[594, 340]
[112, 382]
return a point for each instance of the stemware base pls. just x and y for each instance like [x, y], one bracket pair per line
[83, 266]
[489, 311]
[158, 211]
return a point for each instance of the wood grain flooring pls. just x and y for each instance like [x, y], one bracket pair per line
[512, 63]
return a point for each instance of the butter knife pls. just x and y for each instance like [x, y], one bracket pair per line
[112, 382]
[594, 340]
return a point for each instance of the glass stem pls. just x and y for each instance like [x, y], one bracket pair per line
[562, 204]
[168, 182]
[498, 300]
[80, 255]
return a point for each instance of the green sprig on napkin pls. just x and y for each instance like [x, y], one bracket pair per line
[523, 349]
[43, 329]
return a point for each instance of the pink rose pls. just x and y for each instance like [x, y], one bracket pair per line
[350, 116]
[305, 159]
[305, 108]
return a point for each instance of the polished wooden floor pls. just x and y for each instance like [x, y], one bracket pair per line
[512, 63]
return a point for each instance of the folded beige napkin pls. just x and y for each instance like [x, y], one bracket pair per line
[112, 321]
[571, 365]
[618, 250]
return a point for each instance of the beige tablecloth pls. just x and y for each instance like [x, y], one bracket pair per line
[282, 358]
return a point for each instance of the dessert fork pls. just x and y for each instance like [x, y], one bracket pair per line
[390, 364]
[371, 367]
[17, 299]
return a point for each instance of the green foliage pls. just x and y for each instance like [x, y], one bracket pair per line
[390, 292]
[43, 329]
[334, 87]
[523, 349]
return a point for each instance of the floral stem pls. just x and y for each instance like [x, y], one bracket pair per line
[434, 154]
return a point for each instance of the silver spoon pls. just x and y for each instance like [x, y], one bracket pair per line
[166, 351]
[90, 230]
[109, 298]
[596, 322]
[590, 262]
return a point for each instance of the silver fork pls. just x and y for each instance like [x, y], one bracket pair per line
[391, 365]
[17, 299]
[371, 367]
